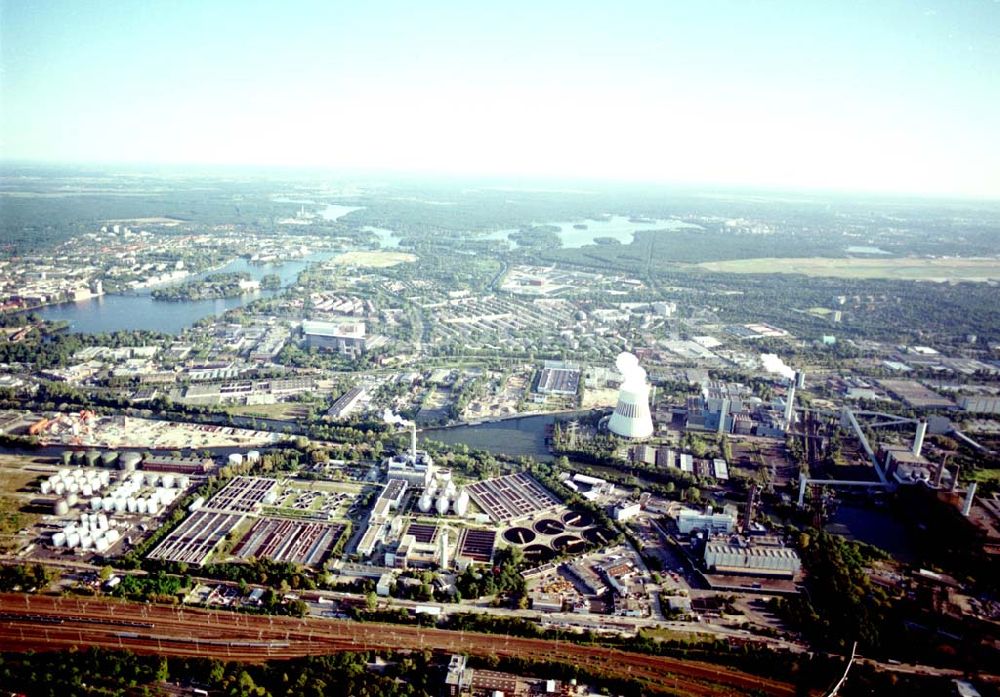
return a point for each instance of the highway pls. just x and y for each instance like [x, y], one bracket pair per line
[32, 622]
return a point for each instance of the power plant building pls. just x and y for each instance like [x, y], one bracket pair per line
[689, 520]
[739, 557]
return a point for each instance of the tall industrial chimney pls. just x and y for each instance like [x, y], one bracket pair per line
[970, 494]
[443, 558]
[918, 438]
[413, 441]
[789, 406]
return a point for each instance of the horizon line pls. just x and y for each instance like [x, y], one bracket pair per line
[439, 175]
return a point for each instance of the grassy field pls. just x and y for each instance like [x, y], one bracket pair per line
[986, 476]
[673, 635]
[374, 260]
[906, 269]
[281, 410]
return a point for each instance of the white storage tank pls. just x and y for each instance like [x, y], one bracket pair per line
[46, 486]
[102, 522]
[72, 500]
[235, 459]
[253, 456]
[142, 506]
[77, 472]
[96, 503]
[111, 536]
[86, 541]
[442, 504]
[59, 539]
[104, 477]
[425, 502]
[59, 488]
[73, 540]
[132, 505]
[168, 481]
[120, 505]
[73, 487]
[152, 478]
[152, 507]
[197, 503]
[101, 545]
[86, 491]
[184, 482]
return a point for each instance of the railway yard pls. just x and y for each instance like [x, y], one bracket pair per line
[45, 623]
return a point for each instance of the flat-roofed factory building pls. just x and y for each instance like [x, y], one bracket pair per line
[346, 338]
[559, 379]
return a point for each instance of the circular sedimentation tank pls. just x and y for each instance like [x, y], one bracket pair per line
[519, 536]
[539, 553]
[573, 519]
[548, 526]
[598, 536]
[568, 543]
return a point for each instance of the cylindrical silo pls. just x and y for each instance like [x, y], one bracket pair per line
[462, 503]
[425, 502]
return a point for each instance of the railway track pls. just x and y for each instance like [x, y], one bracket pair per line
[51, 623]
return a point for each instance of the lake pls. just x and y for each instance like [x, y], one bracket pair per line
[387, 239]
[523, 436]
[617, 227]
[138, 310]
[334, 211]
[863, 249]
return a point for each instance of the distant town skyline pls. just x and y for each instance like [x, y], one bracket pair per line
[891, 97]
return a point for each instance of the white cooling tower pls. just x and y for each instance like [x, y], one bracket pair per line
[631, 418]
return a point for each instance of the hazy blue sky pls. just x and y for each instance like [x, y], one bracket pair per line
[884, 95]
